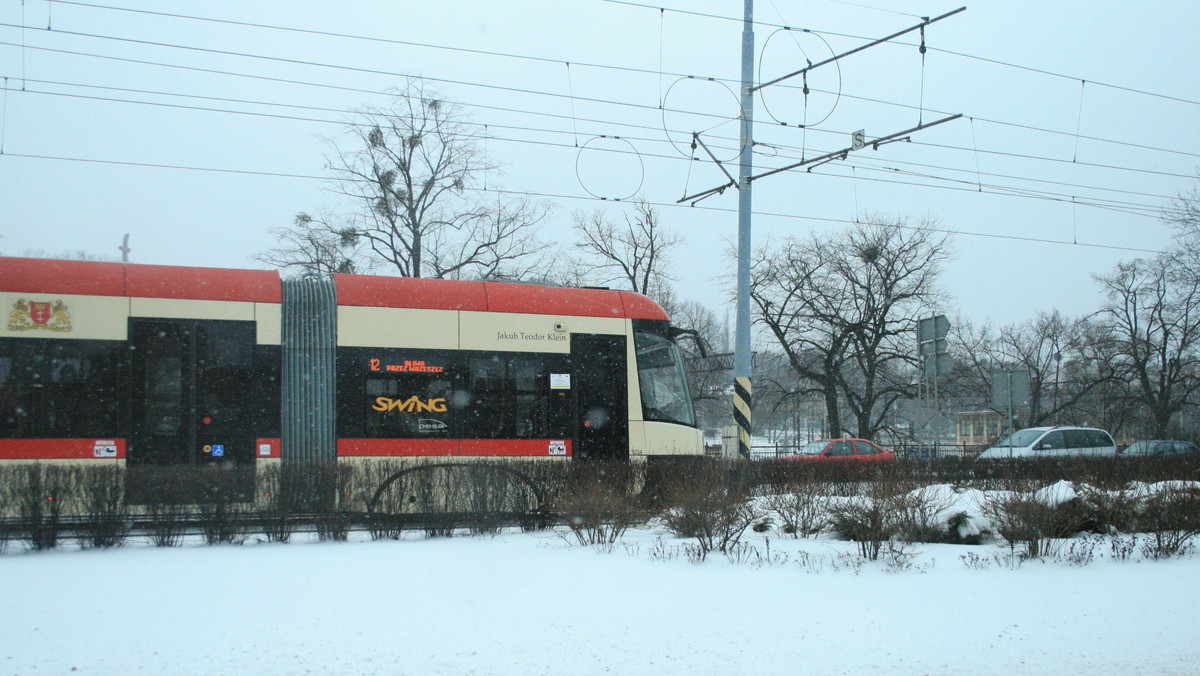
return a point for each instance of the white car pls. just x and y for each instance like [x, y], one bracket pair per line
[1045, 442]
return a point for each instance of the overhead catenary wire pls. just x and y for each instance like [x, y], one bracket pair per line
[515, 89]
[1079, 120]
[3, 115]
[994, 189]
[974, 150]
[1003, 123]
[544, 195]
[984, 59]
[662, 11]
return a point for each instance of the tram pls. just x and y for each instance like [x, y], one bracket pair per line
[144, 365]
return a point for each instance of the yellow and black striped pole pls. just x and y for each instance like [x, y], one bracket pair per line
[741, 414]
[742, 356]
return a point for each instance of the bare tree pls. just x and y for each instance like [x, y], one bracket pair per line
[1060, 355]
[410, 169]
[1153, 322]
[1184, 215]
[503, 244]
[635, 253]
[317, 245]
[1065, 366]
[800, 303]
[891, 270]
[844, 308]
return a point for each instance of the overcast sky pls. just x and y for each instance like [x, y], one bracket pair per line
[196, 132]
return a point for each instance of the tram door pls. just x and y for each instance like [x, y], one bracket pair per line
[601, 397]
[192, 392]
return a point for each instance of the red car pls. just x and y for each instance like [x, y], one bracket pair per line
[843, 450]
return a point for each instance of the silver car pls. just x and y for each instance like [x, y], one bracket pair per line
[1045, 442]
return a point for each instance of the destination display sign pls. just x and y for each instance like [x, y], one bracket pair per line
[407, 366]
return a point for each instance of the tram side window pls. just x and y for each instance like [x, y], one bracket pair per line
[509, 398]
[59, 389]
[224, 387]
[14, 407]
[411, 406]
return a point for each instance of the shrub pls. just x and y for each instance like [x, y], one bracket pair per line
[8, 490]
[277, 517]
[220, 507]
[494, 492]
[334, 511]
[800, 507]
[384, 503]
[1029, 519]
[167, 507]
[1110, 511]
[867, 521]
[597, 505]
[887, 507]
[711, 504]
[482, 496]
[100, 508]
[918, 512]
[42, 492]
[1171, 518]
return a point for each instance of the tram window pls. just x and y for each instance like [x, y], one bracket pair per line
[528, 402]
[225, 368]
[662, 380]
[408, 407]
[14, 411]
[164, 394]
[509, 398]
[59, 389]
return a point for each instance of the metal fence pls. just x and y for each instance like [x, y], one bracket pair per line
[903, 451]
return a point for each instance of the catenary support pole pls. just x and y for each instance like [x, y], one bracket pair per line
[742, 355]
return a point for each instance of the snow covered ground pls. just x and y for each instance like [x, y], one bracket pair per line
[533, 603]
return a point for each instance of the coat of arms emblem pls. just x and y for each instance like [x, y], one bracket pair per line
[28, 315]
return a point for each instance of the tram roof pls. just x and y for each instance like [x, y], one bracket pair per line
[93, 278]
[49, 276]
[444, 294]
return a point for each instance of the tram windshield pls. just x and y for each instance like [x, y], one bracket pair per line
[665, 395]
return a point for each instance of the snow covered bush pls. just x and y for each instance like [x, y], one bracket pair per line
[711, 504]
[872, 517]
[800, 507]
[597, 504]
[1110, 511]
[1036, 519]
[920, 514]
[1170, 516]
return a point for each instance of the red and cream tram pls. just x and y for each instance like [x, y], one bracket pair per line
[156, 365]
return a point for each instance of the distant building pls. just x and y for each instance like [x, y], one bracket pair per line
[978, 427]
